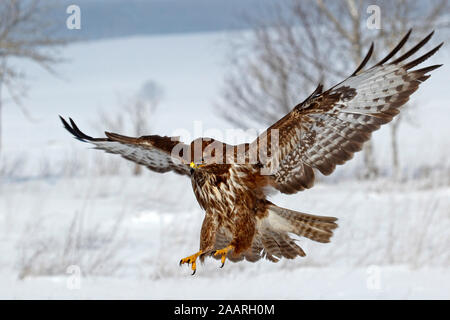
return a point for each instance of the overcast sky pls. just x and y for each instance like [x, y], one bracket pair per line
[116, 18]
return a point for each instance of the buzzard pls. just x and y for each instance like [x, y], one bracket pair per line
[231, 182]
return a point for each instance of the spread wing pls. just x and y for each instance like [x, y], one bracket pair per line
[329, 127]
[160, 154]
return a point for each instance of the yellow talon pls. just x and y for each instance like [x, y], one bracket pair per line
[223, 252]
[191, 259]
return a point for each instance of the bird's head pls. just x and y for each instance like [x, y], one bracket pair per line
[202, 150]
[206, 151]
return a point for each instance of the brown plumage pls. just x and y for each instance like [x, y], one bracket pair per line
[231, 182]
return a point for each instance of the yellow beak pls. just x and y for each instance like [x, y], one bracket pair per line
[195, 166]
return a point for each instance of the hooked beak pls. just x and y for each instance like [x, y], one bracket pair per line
[195, 166]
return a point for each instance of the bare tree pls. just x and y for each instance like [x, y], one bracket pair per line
[402, 15]
[24, 34]
[278, 65]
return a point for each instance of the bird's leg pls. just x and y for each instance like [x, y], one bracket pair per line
[207, 238]
[191, 259]
[223, 252]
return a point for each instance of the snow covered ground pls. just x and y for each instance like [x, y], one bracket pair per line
[307, 283]
[68, 233]
[391, 243]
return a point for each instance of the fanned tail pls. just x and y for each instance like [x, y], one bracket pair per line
[275, 240]
[317, 228]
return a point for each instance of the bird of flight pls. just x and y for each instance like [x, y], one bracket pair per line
[231, 182]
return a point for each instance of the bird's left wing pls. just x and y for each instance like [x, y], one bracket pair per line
[329, 127]
[160, 154]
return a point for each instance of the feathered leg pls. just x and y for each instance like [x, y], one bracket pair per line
[207, 239]
[244, 231]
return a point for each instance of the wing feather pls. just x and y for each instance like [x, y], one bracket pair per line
[328, 127]
[160, 154]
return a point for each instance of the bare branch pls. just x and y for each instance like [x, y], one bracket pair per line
[24, 34]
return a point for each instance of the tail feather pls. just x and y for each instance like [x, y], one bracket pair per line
[317, 228]
[275, 227]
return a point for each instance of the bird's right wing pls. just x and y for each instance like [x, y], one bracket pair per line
[160, 154]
